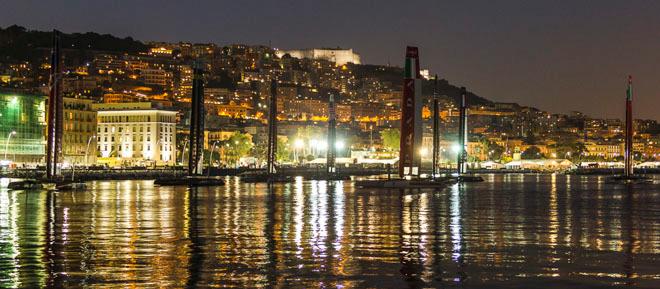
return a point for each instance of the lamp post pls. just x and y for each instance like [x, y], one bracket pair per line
[13, 132]
[208, 170]
[183, 152]
[89, 141]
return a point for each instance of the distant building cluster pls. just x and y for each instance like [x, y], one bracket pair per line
[132, 108]
[337, 55]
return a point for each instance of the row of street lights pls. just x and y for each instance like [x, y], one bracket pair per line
[13, 132]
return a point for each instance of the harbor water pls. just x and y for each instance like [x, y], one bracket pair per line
[511, 231]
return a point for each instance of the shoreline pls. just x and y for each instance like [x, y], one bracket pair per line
[149, 174]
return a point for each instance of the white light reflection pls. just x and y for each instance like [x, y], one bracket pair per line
[426, 255]
[455, 225]
[319, 218]
[9, 234]
[339, 214]
[553, 213]
[65, 225]
[299, 203]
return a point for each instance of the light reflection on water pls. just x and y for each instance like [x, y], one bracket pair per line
[513, 230]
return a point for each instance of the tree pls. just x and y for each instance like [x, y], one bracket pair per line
[283, 153]
[236, 146]
[391, 138]
[495, 151]
[572, 150]
[259, 151]
[532, 152]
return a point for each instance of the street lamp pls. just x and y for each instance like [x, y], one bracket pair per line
[13, 132]
[183, 152]
[208, 170]
[89, 141]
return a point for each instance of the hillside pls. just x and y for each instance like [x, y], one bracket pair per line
[18, 43]
[394, 75]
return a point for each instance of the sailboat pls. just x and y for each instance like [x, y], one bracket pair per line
[628, 174]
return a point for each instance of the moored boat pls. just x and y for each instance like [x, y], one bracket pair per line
[28, 184]
[405, 184]
[261, 177]
[70, 186]
[190, 182]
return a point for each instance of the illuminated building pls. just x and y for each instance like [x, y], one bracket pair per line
[199, 49]
[78, 140]
[78, 84]
[121, 97]
[109, 64]
[306, 108]
[22, 127]
[343, 112]
[219, 94]
[183, 82]
[160, 51]
[158, 77]
[604, 150]
[233, 110]
[135, 133]
[337, 55]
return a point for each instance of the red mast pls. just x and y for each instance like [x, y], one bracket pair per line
[55, 111]
[628, 155]
[411, 116]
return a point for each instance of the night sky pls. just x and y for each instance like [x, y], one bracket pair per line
[559, 56]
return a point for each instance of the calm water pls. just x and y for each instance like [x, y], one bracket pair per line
[513, 231]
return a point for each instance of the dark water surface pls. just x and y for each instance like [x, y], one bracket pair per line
[512, 231]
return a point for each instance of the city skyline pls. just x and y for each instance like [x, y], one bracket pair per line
[535, 54]
[302, 144]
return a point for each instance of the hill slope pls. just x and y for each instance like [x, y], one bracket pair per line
[18, 43]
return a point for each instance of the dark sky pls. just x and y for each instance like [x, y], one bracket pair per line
[556, 55]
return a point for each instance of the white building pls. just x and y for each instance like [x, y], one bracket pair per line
[540, 164]
[337, 55]
[136, 133]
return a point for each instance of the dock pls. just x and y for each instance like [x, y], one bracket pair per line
[630, 179]
[468, 179]
[190, 181]
[406, 184]
[265, 178]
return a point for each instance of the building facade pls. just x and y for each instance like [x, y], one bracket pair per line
[135, 134]
[337, 55]
[78, 139]
[22, 128]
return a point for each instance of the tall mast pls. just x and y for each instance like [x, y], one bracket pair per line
[628, 155]
[332, 135]
[196, 122]
[462, 133]
[272, 128]
[436, 129]
[55, 111]
[411, 116]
